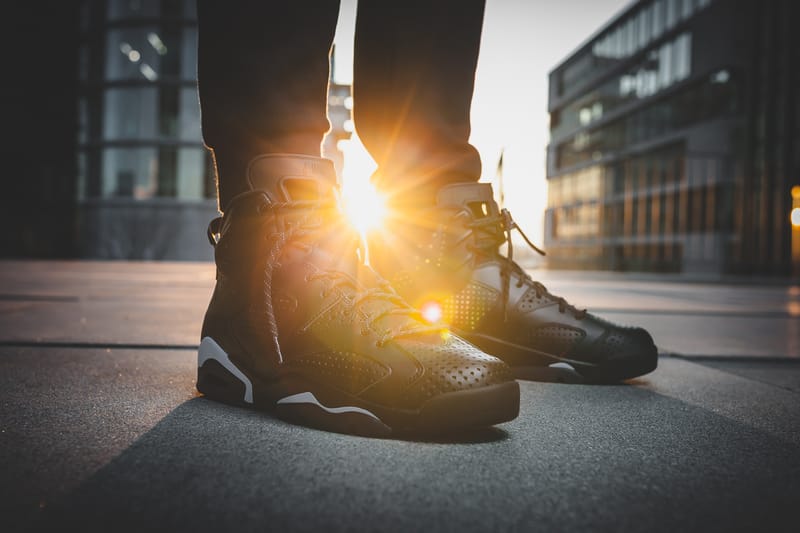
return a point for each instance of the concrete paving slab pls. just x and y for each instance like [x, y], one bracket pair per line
[64, 413]
[128, 304]
[784, 374]
[104, 303]
[718, 335]
[118, 441]
[766, 407]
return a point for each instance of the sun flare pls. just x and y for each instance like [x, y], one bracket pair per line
[363, 205]
[431, 311]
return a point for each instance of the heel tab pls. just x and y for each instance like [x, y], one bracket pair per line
[213, 232]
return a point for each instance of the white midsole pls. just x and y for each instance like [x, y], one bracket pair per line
[209, 349]
[307, 397]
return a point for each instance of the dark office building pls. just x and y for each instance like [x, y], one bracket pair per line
[675, 141]
[145, 185]
[108, 157]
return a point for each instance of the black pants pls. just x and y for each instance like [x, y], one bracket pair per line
[263, 75]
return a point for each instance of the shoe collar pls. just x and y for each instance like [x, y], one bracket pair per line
[293, 178]
[475, 197]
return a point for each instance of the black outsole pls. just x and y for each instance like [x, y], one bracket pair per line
[611, 371]
[478, 407]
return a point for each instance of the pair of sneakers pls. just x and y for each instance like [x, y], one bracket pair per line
[300, 325]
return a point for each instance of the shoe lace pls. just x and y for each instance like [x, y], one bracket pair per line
[491, 232]
[299, 232]
[416, 325]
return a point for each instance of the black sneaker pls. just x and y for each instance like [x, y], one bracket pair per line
[446, 261]
[299, 325]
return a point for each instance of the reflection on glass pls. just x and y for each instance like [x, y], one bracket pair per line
[191, 173]
[188, 40]
[189, 116]
[687, 8]
[130, 113]
[644, 26]
[683, 56]
[663, 67]
[658, 18]
[141, 116]
[704, 100]
[146, 53]
[672, 12]
[119, 9]
[129, 172]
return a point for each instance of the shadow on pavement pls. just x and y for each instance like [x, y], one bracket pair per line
[602, 458]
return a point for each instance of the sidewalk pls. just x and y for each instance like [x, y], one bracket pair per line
[101, 427]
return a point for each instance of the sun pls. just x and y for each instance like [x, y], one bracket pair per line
[363, 205]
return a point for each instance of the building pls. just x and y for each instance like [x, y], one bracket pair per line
[145, 184]
[108, 148]
[675, 141]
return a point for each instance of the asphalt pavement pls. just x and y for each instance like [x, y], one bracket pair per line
[101, 427]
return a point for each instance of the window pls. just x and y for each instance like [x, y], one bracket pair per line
[130, 56]
[129, 172]
[121, 9]
[644, 26]
[130, 113]
[682, 57]
[189, 53]
[687, 8]
[139, 122]
[701, 101]
[672, 13]
[662, 67]
[658, 18]
[665, 65]
[630, 36]
[191, 173]
[189, 116]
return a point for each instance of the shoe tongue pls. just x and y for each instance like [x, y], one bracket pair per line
[477, 197]
[293, 178]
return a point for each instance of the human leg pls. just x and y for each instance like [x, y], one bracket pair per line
[298, 323]
[414, 71]
[441, 244]
[263, 81]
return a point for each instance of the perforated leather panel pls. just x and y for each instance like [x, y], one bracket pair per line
[454, 366]
[348, 371]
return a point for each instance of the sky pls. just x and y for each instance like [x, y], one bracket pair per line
[522, 41]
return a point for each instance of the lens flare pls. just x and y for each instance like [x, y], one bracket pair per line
[364, 207]
[431, 311]
[362, 204]
[795, 217]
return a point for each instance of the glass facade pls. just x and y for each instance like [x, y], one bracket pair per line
[139, 118]
[713, 97]
[145, 183]
[664, 66]
[642, 208]
[674, 148]
[646, 24]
